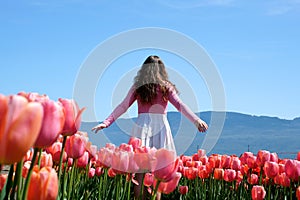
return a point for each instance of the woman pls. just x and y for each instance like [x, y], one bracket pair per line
[152, 90]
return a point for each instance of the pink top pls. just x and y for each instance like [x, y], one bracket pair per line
[158, 106]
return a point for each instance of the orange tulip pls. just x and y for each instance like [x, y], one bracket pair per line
[258, 192]
[72, 116]
[53, 122]
[218, 173]
[190, 173]
[298, 192]
[43, 184]
[20, 123]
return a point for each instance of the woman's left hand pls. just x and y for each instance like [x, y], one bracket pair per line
[201, 125]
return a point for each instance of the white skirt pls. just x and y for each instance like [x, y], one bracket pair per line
[154, 131]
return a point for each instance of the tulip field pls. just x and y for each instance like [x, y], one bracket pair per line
[50, 158]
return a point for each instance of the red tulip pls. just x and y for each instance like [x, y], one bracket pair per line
[298, 192]
[225, 161]
[262, 157]
[258, 192]
[271, 169]
[148, 179]
[3, 178]
[166, 165]
[292, 169]
[135, 142]
[75, 146]
[191, 173]
[202, 172]
[186, 159]
[298, 156]
[20, 123]
[183, 190]
[170, 186]
[72, 116]
[53, 122]
[229, 175]
[43, 184]
[111, 173]
[253, 179]
[215, 160]
[98, 171]
[282, 179]
[218, 173]
[245, 156]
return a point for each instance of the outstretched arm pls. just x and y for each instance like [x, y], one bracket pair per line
[118, 111]
[186, 111]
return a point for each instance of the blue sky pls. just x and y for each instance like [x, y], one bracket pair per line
[254, 45]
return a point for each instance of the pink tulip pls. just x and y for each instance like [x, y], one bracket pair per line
[229, 175]
[72, 116]
[120, 161]
[43, 184]
[145, 159]
[235, 163]
[53, 122]
[104, 157]
[186, 159]
[55, 150]
[135, 142]
[166, 165]
[274, 157]
[111, 173]
[46, 160]
[271, 169]
[253, 179]
[148, 179]
[201, 153]
[258, 192]
[92, 172]
[75, 146]
[245, 156]
[34, 97]
[292, 169]
[183, 190]
[83, 161]
[170, 186]
[20, 123]
[92, 149]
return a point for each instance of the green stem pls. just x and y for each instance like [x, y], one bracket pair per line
[71, 179]
[40, 156]
[17, 179]
[29, 174]
[142, 187]
[128, 192]
[60, 162]
[9, 182]
[155, 190]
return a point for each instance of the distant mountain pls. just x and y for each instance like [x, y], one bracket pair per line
[240, 133]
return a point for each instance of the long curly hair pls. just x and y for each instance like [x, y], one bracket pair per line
[151, 75]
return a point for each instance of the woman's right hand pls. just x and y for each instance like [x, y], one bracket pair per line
[99, 127]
